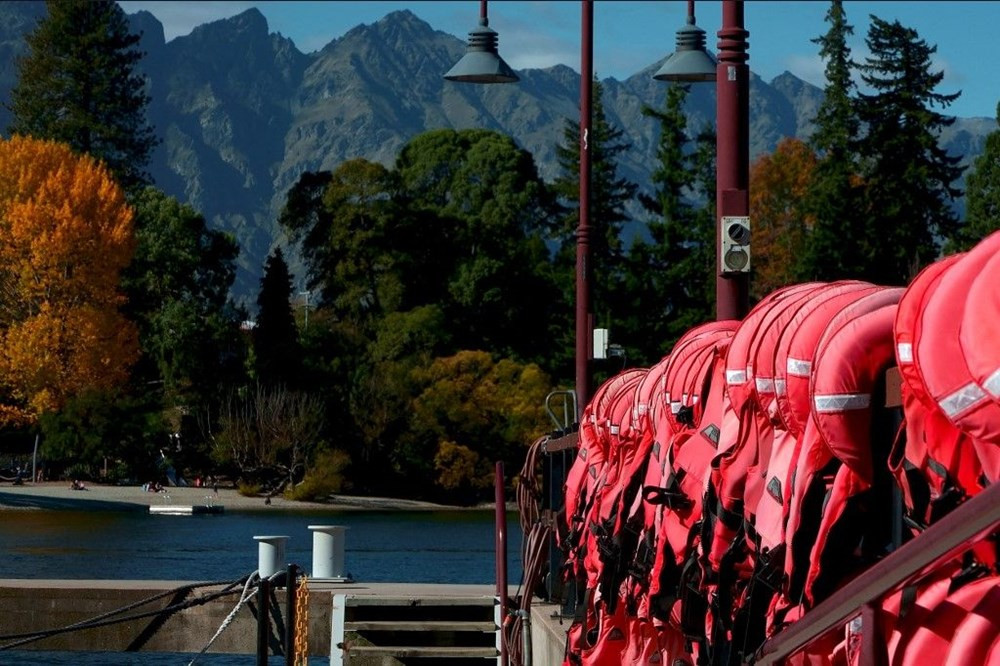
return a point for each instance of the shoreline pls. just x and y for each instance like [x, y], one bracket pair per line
[54, 495]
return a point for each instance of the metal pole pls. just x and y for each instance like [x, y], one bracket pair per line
[34, 460]
[291, 587]
[500, 513]
[584, 273]
[263, 622]
[732, 152]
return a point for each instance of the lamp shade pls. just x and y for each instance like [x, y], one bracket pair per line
[481, 62]
[691, 62]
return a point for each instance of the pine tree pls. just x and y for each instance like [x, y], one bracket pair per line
[834, 194]
[908, 176]
[275, 339]
[668, 277]
[78, 84]
[982, 196]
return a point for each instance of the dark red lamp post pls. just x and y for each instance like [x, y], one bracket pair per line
[732, 77]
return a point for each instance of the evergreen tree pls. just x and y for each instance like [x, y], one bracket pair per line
[277, 359]
[609, 196]
[982, 196]
[834, 197]
[78, 85]
[908, 176]
[668, 277]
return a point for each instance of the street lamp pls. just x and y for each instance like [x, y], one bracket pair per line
[732, 111]
[690, 62]
[481, 62]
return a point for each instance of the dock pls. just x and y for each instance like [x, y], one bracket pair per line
[389, 621]
[186, 509]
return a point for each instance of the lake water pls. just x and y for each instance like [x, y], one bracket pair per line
[406, 547]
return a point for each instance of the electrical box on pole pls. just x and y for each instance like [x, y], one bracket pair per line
[735, 255]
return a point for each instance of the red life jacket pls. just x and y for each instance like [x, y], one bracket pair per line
[934, 464]
[771, 361]
[586, 476]
[601, 520]
[803, 335]
[980, 329]
[767, 428]
[850, 366]
[852, 355]
[729, 468]
[938, 641]
[686, 477]
[938, 356]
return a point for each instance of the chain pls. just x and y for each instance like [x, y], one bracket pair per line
[302, 623]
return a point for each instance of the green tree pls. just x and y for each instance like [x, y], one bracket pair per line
[191, 346]
[982, 196]
[834, 198]
[477, 197]
[277, 357]
[908, 176]
[671, 277]
[78, 84]
[178, 294]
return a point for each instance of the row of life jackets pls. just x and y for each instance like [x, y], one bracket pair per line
[720, 494]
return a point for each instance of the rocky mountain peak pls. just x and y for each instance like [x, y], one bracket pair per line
[249, 25]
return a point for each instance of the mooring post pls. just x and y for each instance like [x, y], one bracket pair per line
[270, 555]
[328, 553]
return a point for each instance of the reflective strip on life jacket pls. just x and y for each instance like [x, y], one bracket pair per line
[992, 384]
[764, 384]
[842, 402]
[798, 367]
[904, 352]
[963, 399]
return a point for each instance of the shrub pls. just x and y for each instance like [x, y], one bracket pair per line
[247, 489]
[325, 477]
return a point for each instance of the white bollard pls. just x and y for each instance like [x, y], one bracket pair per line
[328, 553]
[270, 555]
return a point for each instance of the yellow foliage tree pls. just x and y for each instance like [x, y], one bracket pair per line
[779, 183]
[66, 233]
[477, 411]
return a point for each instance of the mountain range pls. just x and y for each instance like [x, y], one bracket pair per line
[241, 112]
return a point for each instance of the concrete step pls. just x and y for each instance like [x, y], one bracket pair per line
[420, 625]
[407, 601]
[382, 630]
[410, 652]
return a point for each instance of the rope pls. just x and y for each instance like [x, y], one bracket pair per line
[533, 552]
[109, 618]
[247, 594]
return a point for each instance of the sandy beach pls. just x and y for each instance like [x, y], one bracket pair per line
[58, 495]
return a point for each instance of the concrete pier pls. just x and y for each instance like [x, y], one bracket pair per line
[35, 605]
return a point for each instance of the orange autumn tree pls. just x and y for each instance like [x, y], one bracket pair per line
[779, 184]
[66, 233]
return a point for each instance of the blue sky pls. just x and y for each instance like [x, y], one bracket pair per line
[628, 35]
